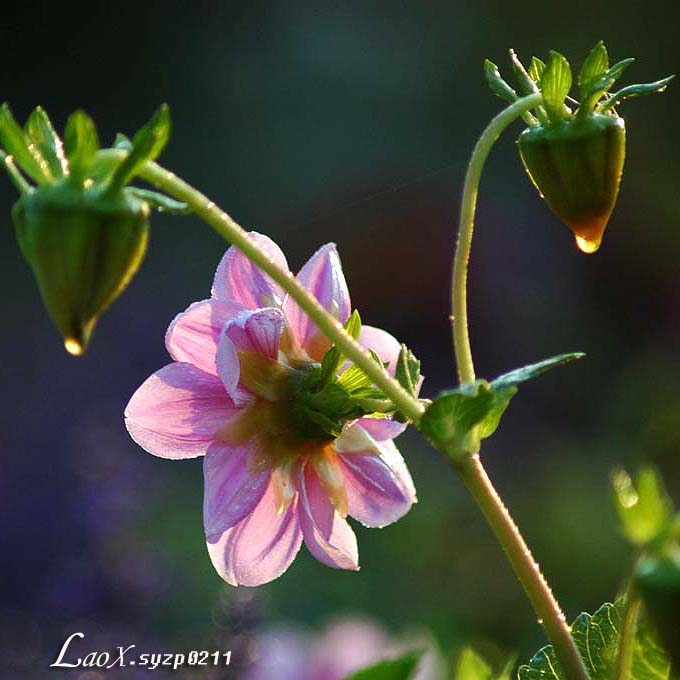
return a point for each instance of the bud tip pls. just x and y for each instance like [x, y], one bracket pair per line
[588, 246]
[74, 347]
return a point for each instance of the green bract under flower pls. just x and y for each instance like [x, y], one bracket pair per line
[574, 151]
[81, 228]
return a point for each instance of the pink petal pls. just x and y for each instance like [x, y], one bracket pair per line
[323, 277]
[385, 345]
[233, 487]
[253, 331]
[327, 535]
[387, 348]
[382, 429]
[193, 335]
[261, 547]
[177, 412]
[238, 279]
[258, 331]
[379, 487]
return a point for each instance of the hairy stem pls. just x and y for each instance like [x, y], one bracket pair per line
[461, 337]
[225, 226]
[527, 570]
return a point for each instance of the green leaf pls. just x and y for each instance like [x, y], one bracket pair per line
[407, 371]
[532, 371]
[595, 65]
[597, 639]
[403, 668]
[161, 202]
[498, 86]
[82, 143]
[457, 420]
[635, 91]
[644, 508]
[39, 129]
[471, 666]
[555, 84]
[19, 145]
[527, 84]
[536, 69]
[147, 145]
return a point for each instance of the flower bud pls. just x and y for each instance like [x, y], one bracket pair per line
[576, 167]
[84, 246]
[658, 581]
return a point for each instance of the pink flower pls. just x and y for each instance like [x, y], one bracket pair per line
[236, 394]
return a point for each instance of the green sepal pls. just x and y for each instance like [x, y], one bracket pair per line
[458, 419]
[81, 142]
[19, 145]
[41, 132]
[498, 86]
[407, 371]
[594, 66]
[527, 84]
[403, 668]
[643, 506]
[160, 202]
[536, 69]
[602, 84]
[555, 85]
[147, 145]
[334, 358]
[634, 91]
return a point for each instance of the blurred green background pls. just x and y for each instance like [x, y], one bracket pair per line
[349, 122]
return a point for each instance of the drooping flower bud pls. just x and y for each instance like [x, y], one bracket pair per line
[574, 152]
[658, 581]
[83, 249]
[82, 229]
[577, 168]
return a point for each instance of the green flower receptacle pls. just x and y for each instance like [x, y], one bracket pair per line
[576, 167]
[83, 246]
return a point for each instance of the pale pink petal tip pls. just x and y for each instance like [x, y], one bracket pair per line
[327, 535]
[238, 279]
[323, 277]
[260, 547]
[193, 335]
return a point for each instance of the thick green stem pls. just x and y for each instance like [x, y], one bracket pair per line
[461, 338]
[225, 226]
[527, 570]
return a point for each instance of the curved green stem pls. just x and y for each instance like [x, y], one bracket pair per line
[461, 338]
[527, 570]
[225, 226]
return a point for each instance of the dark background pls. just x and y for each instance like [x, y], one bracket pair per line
[349, 122]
